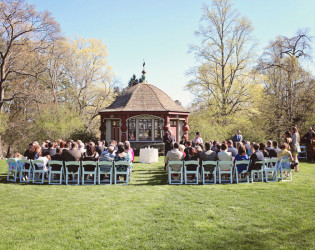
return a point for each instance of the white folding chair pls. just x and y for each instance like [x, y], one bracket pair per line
[38, 167]
[122, 168]
[74, 168]
[271, 168]
[13, 170]
[25, 170]
[244, 178]
[303, 153]
[105, 168]
[171, 165]
[92, 164]
[225, 167]
[285, 167]
[55, 168]
[258, 172]
[205, 171]
[195, 172]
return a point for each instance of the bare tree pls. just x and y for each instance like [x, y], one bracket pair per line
[221, 81]
[289, 88]
[24, 36]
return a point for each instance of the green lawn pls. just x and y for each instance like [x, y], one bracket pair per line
[151, 214]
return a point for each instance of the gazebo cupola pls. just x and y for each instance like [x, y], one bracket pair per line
[141, 114]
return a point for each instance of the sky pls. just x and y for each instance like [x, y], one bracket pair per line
[160, 32]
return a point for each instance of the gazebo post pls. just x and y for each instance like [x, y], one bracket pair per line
[102, 128]
[186, 127]
[123, 128]
[167, 123]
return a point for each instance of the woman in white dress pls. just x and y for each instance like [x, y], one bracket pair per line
[295, 146]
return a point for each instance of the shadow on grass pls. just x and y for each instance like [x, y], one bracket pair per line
[140, 177]
[150, 176]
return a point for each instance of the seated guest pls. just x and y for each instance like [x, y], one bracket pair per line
[62, 145]
[214, 146]
[274, 151]
[45, 159]
[218, 146]
[73, 154]
[27, 152]
[35, 152]
[255, 156]
[90, 154]
[129, 150]
[269, 143]
[114, 144]
[182, 149]
[99, 147]
[262, 148]
[81, 146]
[208, 154]
[121, 154]
[241, 156]
[108, 155]
[286, 153]
[191, 156]
[247, 146]
[174, 155]
[187, 145]
[231, 149]
[50, 150]
[224, 155]
[57, 156]
[202, 147]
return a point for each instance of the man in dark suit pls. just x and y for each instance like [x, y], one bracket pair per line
[74, 154]
[237, 137]
[50, 150]
[168, 139]
[256, 156]
[269, 142]
[273, 152]
[231, 149]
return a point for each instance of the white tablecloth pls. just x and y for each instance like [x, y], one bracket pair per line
[148, 155]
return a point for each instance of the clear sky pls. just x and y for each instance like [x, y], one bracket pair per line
[160, 32]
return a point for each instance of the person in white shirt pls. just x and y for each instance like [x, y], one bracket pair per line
[198, 138]
[224, 155]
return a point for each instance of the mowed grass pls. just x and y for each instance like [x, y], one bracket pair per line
[148, 214]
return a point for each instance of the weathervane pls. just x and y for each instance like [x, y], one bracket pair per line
[143, 73]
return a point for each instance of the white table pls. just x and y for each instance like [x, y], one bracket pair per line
[148, 155]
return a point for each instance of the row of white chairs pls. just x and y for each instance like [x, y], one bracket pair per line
[269, 171]
[27, 170]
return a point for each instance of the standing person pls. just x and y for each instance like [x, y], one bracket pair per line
[168, 139]
[312, 150]
[183, 140]
[288, 138]
[237, 137]
[198, 139]
[307, 139]
[295, 146]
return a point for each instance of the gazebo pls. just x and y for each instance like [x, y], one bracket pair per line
[141, 114]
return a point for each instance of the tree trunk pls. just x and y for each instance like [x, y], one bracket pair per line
[1, 153]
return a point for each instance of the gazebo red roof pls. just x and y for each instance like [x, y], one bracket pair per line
[144, 97]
